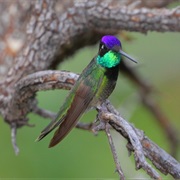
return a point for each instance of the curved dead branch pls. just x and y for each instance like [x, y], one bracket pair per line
[138, 143]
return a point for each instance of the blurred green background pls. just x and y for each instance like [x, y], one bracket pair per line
[81, 154]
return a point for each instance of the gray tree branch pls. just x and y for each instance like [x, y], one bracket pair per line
[138, 143]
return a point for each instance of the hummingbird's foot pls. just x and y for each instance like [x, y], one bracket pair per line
[99, 127]
[100, 123]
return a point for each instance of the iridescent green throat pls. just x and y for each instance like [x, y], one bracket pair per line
[109, 60]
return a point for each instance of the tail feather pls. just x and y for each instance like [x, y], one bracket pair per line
[64, 128]
[75, 105]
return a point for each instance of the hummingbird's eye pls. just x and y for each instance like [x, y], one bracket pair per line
[103, 49]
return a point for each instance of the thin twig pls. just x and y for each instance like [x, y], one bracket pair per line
[13, 138]
[135, 142]
[161, 159]
[113, 150]
[44, 113]
[85, 126]
[105, 114]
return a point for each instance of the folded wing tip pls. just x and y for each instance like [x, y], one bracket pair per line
[41, 136]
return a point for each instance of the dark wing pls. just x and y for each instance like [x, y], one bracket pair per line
[75, 104]
[80, 103]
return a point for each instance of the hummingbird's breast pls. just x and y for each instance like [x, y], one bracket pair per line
[107, 83]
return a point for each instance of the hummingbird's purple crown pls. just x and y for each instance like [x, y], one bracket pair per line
[110, 41]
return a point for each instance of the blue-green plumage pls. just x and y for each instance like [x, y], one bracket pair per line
[94, 85]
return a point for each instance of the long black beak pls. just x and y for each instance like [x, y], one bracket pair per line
[126, 55]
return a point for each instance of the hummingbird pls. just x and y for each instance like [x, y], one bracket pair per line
[95, 84]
